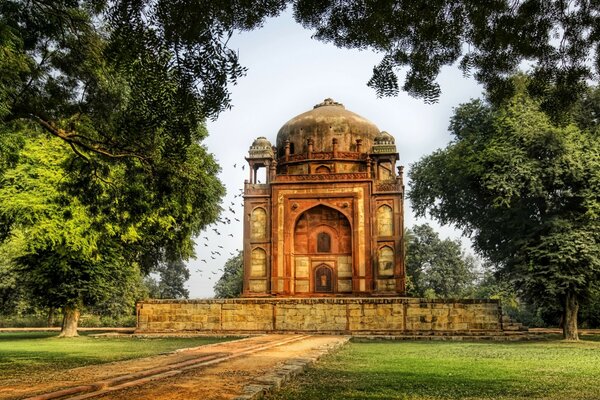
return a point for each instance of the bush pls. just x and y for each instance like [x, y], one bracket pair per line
[25, 321]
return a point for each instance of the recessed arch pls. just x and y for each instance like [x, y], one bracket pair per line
[323, 279]
[321, 220]
[258, 224]
[323, 169]
[323, 242]
[385, 220]
[385, 261]
[258, 263]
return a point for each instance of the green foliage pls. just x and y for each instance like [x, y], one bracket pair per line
[123, 96]
[172, 276]
[58, 252]
[230, 284]
[558, 39]
[427, 370]
[525, 190]
[68, 252]
[32, 354]
[437, 268]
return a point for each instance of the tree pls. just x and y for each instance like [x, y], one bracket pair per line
[62, 59]
[492, 40]
[75, 254]
[437, 267]
[526, 191]
[230, 284]
[129, 98]
[71, 67]
[172, 277]
[61, 257]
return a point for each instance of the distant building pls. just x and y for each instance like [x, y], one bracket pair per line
[328, 219]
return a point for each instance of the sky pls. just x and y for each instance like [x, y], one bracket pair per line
[288, 73]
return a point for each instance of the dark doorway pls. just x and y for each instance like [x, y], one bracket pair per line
[323, 279]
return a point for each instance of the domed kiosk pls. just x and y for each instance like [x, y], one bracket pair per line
[328, 221]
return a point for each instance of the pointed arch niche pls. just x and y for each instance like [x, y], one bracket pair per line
[385, 221]
[258, 224]
[258, 264]
[322, 239]
[385, 258]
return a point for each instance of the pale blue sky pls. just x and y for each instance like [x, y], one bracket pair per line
[288, 73]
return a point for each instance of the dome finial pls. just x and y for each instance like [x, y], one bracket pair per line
[329, 102]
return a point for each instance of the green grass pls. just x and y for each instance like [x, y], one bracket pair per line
[26, 353]
[453, 370]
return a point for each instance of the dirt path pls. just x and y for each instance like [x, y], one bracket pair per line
[247, 361]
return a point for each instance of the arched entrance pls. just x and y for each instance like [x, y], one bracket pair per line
[322, 252]
[323, 279]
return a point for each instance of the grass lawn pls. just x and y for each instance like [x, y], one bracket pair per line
[26, 353]
[423, 370]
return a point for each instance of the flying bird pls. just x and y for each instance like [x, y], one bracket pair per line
[231, 234]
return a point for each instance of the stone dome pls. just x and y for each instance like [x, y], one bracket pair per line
[261, 142]
[261, 148]
[326, 121]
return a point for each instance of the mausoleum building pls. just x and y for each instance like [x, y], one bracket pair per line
[327, 217]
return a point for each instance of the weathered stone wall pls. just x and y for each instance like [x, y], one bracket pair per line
[340, 315]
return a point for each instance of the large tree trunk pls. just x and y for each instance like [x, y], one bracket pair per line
[70, 321]
[570, 317]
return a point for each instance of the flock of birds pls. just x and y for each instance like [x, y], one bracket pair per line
[230, 218]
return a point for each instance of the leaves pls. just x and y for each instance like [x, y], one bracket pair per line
[438, 267]
[489, 41]
[230, 284]
[525, 189]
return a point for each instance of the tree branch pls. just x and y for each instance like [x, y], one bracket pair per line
[74, 140]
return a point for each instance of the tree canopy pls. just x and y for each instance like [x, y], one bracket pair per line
[170, 284]
[526, 191]
[491, 40]
[81, 240]
[68, 64]
[230, 284]
[437, 267]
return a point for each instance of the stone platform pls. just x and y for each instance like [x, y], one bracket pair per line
[340, 315]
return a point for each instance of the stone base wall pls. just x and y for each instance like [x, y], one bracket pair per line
[326, 315]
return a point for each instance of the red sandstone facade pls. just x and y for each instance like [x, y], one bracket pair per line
[329, 219]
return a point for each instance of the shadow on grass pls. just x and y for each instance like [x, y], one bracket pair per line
[5, 336]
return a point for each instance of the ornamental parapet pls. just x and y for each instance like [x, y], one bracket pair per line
[326, 155]
[322, 177]
[391, 185]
